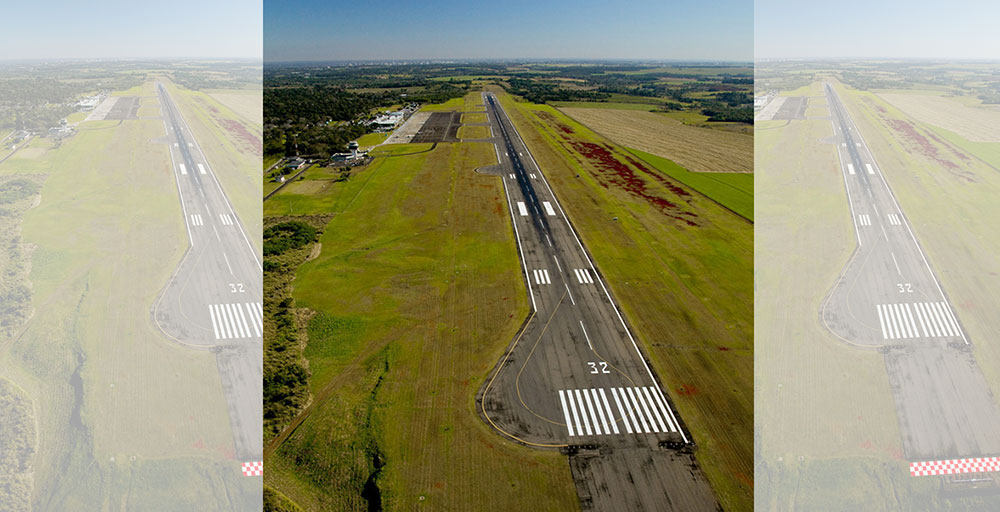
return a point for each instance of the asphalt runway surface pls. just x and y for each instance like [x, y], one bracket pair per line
[126, 107]
[888, 298]
[214, 299]
[793, 107]
[574, 378]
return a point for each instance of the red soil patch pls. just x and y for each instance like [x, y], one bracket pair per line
[249, 140]
[724, 349]
[614, 172]
[687, 390]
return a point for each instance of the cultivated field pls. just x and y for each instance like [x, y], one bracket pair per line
[695, 149]
[406, 321]
[734, 190]
[662, 263]
[975, 123]
[245, 103]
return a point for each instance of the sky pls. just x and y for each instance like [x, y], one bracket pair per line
[64, 29]
[320, 30]
[963, 29]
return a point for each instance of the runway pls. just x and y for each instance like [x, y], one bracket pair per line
[889, 298]
[574, 378]
[214, 299]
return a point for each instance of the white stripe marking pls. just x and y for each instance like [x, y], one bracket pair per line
[611, 414]
[548, 208]
[201, 168]
[597, 407]
[628, 426]
[183, 169]
[562, 400]
[850, 168]
[870, 170]
[583, 412]
[523, 209]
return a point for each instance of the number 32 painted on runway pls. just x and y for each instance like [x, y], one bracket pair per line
[594, 369]
[236, 288]
[905, 287]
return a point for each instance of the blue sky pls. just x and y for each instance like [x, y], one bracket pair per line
[56, 29]
[450, 29]
[872, 28]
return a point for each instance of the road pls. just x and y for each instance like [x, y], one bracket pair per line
[574, 378]
[213, 301]
[889, 298]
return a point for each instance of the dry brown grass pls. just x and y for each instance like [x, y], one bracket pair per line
[695, 149]
[974, 123]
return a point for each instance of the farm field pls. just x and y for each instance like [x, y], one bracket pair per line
[245, 103]
[659, 260]
[732, 190]
[695, 149]
[974, 123]
[112, 396]
[403, 324]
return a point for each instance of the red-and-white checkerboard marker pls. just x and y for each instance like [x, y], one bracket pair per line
[253, 468]
[955, 466]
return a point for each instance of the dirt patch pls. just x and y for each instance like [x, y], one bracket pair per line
[614, 172]
[923, 145]
[248, 139]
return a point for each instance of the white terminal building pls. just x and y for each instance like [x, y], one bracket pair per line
[352, 154]
[388, 121]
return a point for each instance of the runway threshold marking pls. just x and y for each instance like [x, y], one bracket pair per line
[583, 276]
[895, 220]
[640, 410]
[230, 322]
[196, 220]
[900, 321]
[226, 219]
[864, 219]
[522, 209]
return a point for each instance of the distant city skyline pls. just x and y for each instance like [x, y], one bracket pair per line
[119, 29]
[863, 29]
[313, 30]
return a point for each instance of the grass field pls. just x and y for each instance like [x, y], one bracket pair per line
[473, 132]
[730, 189]
[409, 319]
[370, 139]
[452, 104]
[113, 396]
[474, 118]
[696, 149]
[696, 328]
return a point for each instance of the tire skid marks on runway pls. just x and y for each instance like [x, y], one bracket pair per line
[917, 320]
[640, 410]
[894, 219]
[239, 320]
[864, 219]
[542, 276]
[226, 219]
[583, 276]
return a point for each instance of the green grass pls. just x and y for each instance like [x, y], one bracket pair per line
[452, 104]
[410, 318]
[370, 139]
[474, 118]
[604, 104]
[732, 190]
[988, 152]
[270, 160]
[696, 328]
[474, 132]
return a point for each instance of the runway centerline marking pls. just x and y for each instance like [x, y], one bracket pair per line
[585, 335]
